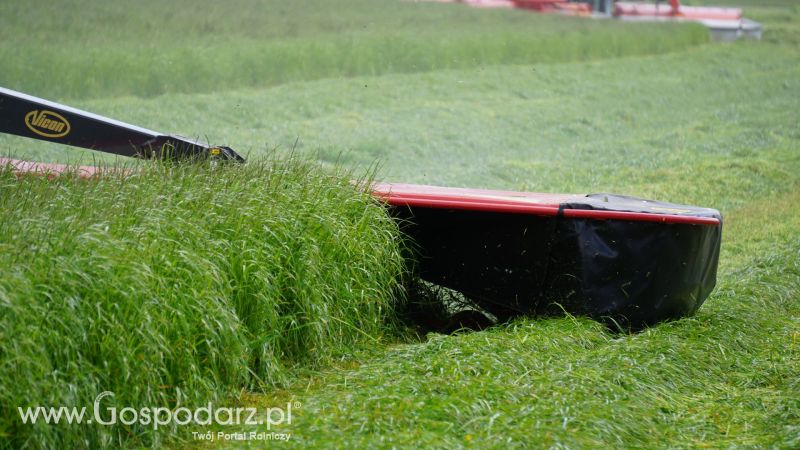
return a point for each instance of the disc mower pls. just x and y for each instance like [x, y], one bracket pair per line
[633, 261]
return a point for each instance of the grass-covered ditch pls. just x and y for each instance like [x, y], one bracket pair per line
[178, 285]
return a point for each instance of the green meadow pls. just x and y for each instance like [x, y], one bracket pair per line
[281, 281]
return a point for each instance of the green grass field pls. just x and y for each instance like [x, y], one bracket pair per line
[109, 49]
[436, 94]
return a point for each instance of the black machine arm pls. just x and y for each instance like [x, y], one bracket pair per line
[36, 118]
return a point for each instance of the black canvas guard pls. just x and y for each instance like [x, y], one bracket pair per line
[629, 272]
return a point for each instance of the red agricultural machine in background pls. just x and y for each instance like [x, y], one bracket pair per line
[554, 6]
[674, 10]
[541, 6]
[724, 24]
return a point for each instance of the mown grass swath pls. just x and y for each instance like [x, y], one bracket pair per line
[180, 285]
[724, 378]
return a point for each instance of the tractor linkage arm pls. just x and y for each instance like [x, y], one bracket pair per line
[36, 118]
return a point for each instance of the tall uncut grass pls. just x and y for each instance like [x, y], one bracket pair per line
[180, 286]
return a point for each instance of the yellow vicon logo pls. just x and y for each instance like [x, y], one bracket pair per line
[47, 123]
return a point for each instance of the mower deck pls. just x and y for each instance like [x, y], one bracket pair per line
[636, 262]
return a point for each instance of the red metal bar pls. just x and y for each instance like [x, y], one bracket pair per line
[538, 204]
